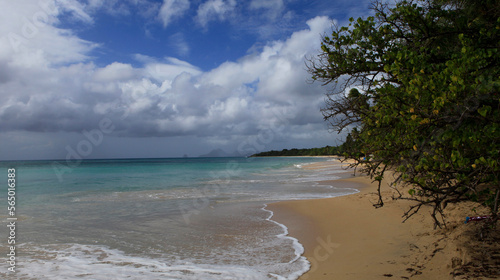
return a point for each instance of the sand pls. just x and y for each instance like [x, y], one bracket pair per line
[347, 238]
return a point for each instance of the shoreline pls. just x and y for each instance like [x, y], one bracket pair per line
[346, 237]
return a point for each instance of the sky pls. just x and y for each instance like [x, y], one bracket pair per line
[162, 78]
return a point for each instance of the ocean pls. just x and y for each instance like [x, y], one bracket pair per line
[182, 218]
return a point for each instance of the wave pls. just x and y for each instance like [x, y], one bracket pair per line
[96, 262]
[305, 265]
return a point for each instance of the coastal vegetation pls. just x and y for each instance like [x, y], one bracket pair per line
[324, 151]
[417, 85]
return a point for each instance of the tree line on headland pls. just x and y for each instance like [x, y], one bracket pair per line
[325, 151]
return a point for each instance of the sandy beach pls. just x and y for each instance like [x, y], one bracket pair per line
[347, 238]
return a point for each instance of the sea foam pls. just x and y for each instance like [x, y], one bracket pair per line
[77, 261]
[299, 249]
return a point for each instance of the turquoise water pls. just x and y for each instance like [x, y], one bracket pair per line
[189, 218]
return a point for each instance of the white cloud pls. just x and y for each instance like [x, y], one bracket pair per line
[29, 36]
[114, 72]
[59, 90]
[214, 10]
[77, 9]
[172, 9]
[169, 69]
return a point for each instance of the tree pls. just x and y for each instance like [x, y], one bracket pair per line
[427, 102]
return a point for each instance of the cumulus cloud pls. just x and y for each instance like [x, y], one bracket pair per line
[55, 87]
[29, 36]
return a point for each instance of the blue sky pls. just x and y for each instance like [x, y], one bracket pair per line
[145, 78]
[226, 31]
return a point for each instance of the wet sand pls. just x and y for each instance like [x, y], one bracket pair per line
[347, 238]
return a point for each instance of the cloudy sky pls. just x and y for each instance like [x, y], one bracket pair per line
[153, 78]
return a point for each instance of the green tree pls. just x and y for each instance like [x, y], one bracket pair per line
[427, 100]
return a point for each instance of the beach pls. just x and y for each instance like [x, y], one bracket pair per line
[173, 218]
[348, 238]
[227, 218]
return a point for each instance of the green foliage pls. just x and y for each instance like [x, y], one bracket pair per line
[427, 100]
[325, 151]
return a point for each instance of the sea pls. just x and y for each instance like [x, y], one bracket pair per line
[174, 218]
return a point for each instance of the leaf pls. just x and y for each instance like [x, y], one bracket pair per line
[434, 113]
[483, 111]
